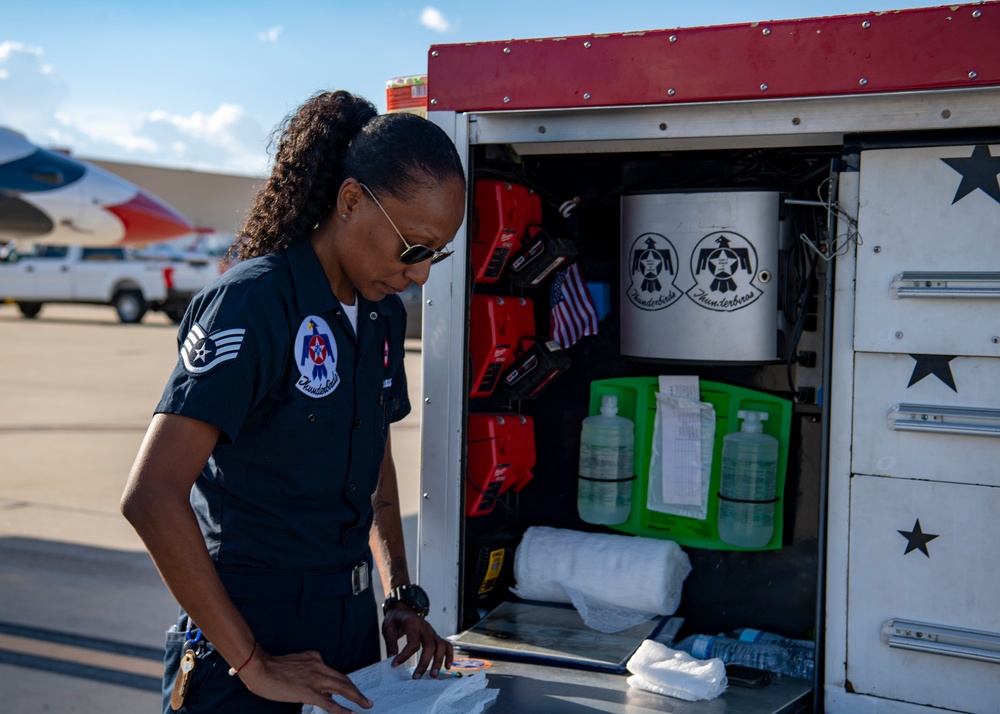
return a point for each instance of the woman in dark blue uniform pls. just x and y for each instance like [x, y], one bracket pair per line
[265, 482]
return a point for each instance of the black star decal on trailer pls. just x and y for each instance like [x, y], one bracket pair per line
[938, 365]
[978, 171]
[917, 539]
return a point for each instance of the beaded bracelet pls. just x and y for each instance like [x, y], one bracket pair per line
[236, 670]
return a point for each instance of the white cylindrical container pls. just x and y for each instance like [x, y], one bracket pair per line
[748, 484]
[699, 276]
[604, 493]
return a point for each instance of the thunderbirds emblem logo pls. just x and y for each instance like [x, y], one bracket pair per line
[316, 358]
[724, 265]
[652, 269]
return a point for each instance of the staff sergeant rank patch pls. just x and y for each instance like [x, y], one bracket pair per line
[316, 358]
[201, 353]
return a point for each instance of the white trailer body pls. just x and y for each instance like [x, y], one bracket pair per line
[893, 532]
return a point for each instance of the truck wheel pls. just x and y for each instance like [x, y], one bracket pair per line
[175, 313]
[130, 306]
[30, 309]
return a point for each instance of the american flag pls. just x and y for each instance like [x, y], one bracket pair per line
[573, 312]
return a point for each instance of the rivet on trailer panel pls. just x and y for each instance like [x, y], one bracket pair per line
[863, 81]
[506, 50]
[671, 92]
[587, 45]
[973, 74]
[586, 95]
[866, 24]
[434, 53]
[766, 31]
[434, 101]
[673, 38]
[977, 13]
[763, 87]
[506, 100]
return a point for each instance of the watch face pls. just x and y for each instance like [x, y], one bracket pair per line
[411, 595]
[415, 597]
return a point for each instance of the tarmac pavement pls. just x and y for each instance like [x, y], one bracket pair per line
[82, 609]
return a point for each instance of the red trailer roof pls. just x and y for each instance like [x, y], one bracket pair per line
[926, 48]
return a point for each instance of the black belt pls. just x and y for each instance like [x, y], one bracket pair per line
[243, 584]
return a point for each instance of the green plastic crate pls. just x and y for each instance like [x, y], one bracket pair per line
[637, 401]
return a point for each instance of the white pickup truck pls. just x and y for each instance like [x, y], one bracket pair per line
[105, 276]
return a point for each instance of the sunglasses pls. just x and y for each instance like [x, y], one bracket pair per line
[413, 253]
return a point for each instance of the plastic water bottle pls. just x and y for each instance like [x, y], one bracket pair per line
[749, 634]
[604, 494]
[747, 492]
[774, 657]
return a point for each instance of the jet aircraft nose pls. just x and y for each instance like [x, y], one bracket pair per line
[147, 219]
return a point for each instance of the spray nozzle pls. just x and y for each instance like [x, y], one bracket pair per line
[752, 421]
[609, 405]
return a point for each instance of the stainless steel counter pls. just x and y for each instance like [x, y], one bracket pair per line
[533, 688]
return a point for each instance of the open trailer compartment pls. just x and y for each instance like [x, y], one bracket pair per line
[597, 186]
[823, 255]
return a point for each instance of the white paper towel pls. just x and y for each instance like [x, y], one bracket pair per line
[614, 581]
[657, 668]
[394, 691]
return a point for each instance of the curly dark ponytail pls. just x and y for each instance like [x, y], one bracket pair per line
[306, 172]
[333, 136]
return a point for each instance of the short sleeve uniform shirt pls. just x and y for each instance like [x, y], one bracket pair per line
[304, 404]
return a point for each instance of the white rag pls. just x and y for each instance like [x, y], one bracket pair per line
[614, 581]
[394, 691]
[657, 668]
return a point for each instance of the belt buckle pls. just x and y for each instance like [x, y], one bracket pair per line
[360, 579]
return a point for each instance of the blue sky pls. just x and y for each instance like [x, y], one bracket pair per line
[200, 84]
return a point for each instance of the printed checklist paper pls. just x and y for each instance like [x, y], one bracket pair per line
[681, 444]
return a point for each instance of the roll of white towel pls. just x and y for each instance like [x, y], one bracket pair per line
[615, 581]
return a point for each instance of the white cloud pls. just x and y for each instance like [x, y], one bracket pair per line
[225, 140]
[34, 100]
[270, 34]
[9, 48]
[432, 18]
[30, 90]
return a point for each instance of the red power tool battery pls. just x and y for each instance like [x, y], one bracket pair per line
[501, 214]
[501, 457]
[535, 365]
[497, 326]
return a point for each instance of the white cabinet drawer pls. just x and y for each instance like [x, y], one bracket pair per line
[927, 416]
[928, 277]
[947, 579]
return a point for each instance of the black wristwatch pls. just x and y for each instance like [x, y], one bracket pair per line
[411, 595]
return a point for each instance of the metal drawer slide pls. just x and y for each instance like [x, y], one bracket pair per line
[942, 640]
[966, 421]
[946, 285]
